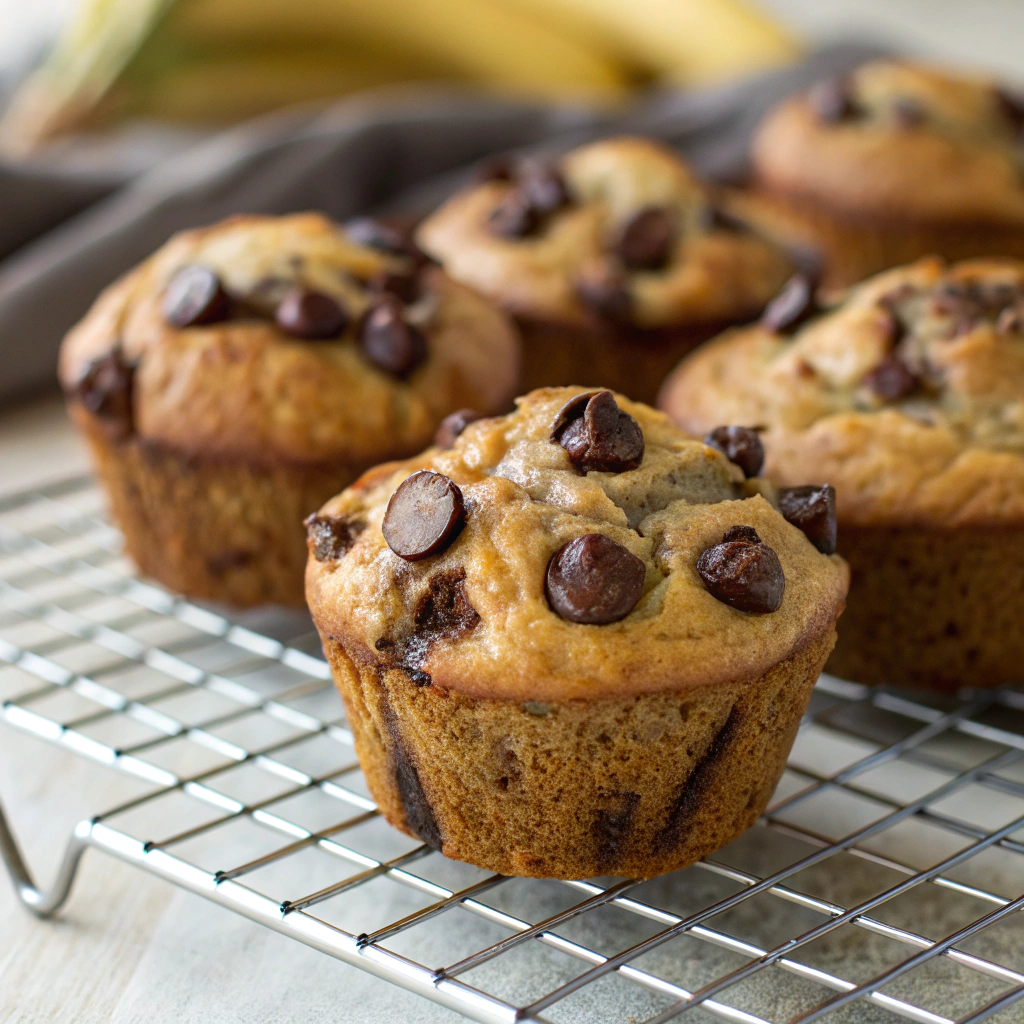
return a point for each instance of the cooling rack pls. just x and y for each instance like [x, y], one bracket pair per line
[882, 881]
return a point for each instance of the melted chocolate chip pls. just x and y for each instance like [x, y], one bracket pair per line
[515, 216]
[740, 445]
[389, 341]
[598, 435]
[330, 537]
[453, 425]
[444, 611]
[542, 185]
[831, 101]
[612, 827]
[195, 296]
[605, 292]
[424, 516]
[105, 390]
[312, 315]
[893, 328]
[646, 240]
[890, 380]
[813, 510]
[594, 580]
[405, 287]
[743, 572]
[793, 306]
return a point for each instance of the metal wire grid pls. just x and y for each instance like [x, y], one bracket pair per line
[881, 881]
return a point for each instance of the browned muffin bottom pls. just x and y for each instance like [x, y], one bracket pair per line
[575, 642]
[908, 397]
[615, 261]
[233, 382]
[889, 164]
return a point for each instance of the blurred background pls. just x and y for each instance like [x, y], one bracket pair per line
[122, 121]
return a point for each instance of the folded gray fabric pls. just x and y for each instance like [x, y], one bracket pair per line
[385, 151]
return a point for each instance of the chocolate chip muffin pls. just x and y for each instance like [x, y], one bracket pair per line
[908, 399]
[244, 373]
[614, 260]
[575, 642]
[891, 163]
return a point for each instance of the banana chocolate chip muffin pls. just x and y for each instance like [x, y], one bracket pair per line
[614, 261]
[575, 642]
[891, 163]
[907, 398]
[239, 377]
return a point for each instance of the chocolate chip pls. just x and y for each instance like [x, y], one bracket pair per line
[743, 572]
[646, 240]
[1011, 105]
[390, 282]
[515, 216]
[543, 187]
[831, 100]
[598, 435]
[377, 234]
[305, 313]
[813, 510]
[331, 537]
[425, 514]
[740, 445]
[453, 425]
[195, 296]
[747, 533]
[389, 341]
[105, 390]
[908, 112]
[892, 327]
[594, 580]
[497, 168]
[604, 291]
[717, 219]
[890, 380]
[793, 306]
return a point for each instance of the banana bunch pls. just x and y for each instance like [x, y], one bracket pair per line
[216, 61]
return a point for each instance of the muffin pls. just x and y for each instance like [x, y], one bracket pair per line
[575, 643]
[614, 261]
[908, 399]
[891, 163]
[247, 371]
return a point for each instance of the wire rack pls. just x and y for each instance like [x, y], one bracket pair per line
[881, 882]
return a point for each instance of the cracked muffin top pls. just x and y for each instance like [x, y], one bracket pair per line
[899, 140]
[288, 339]
[907, 396]
[581, 546]
[618, 230]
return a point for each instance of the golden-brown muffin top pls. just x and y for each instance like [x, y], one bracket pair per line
[485, 597]
[252, 339]
[907, 397]
[902, 141]
[619, 230]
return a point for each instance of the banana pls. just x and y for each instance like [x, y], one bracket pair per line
[683, 41]
[223, 59]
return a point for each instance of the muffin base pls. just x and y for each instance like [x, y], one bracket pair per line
[212, 528]
[940, 609]
[854, 248]
[631, 361]
[632, 786]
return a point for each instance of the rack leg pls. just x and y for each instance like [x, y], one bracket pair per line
[41, 903]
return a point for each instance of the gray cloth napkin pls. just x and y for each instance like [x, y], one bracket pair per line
[65, 232]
